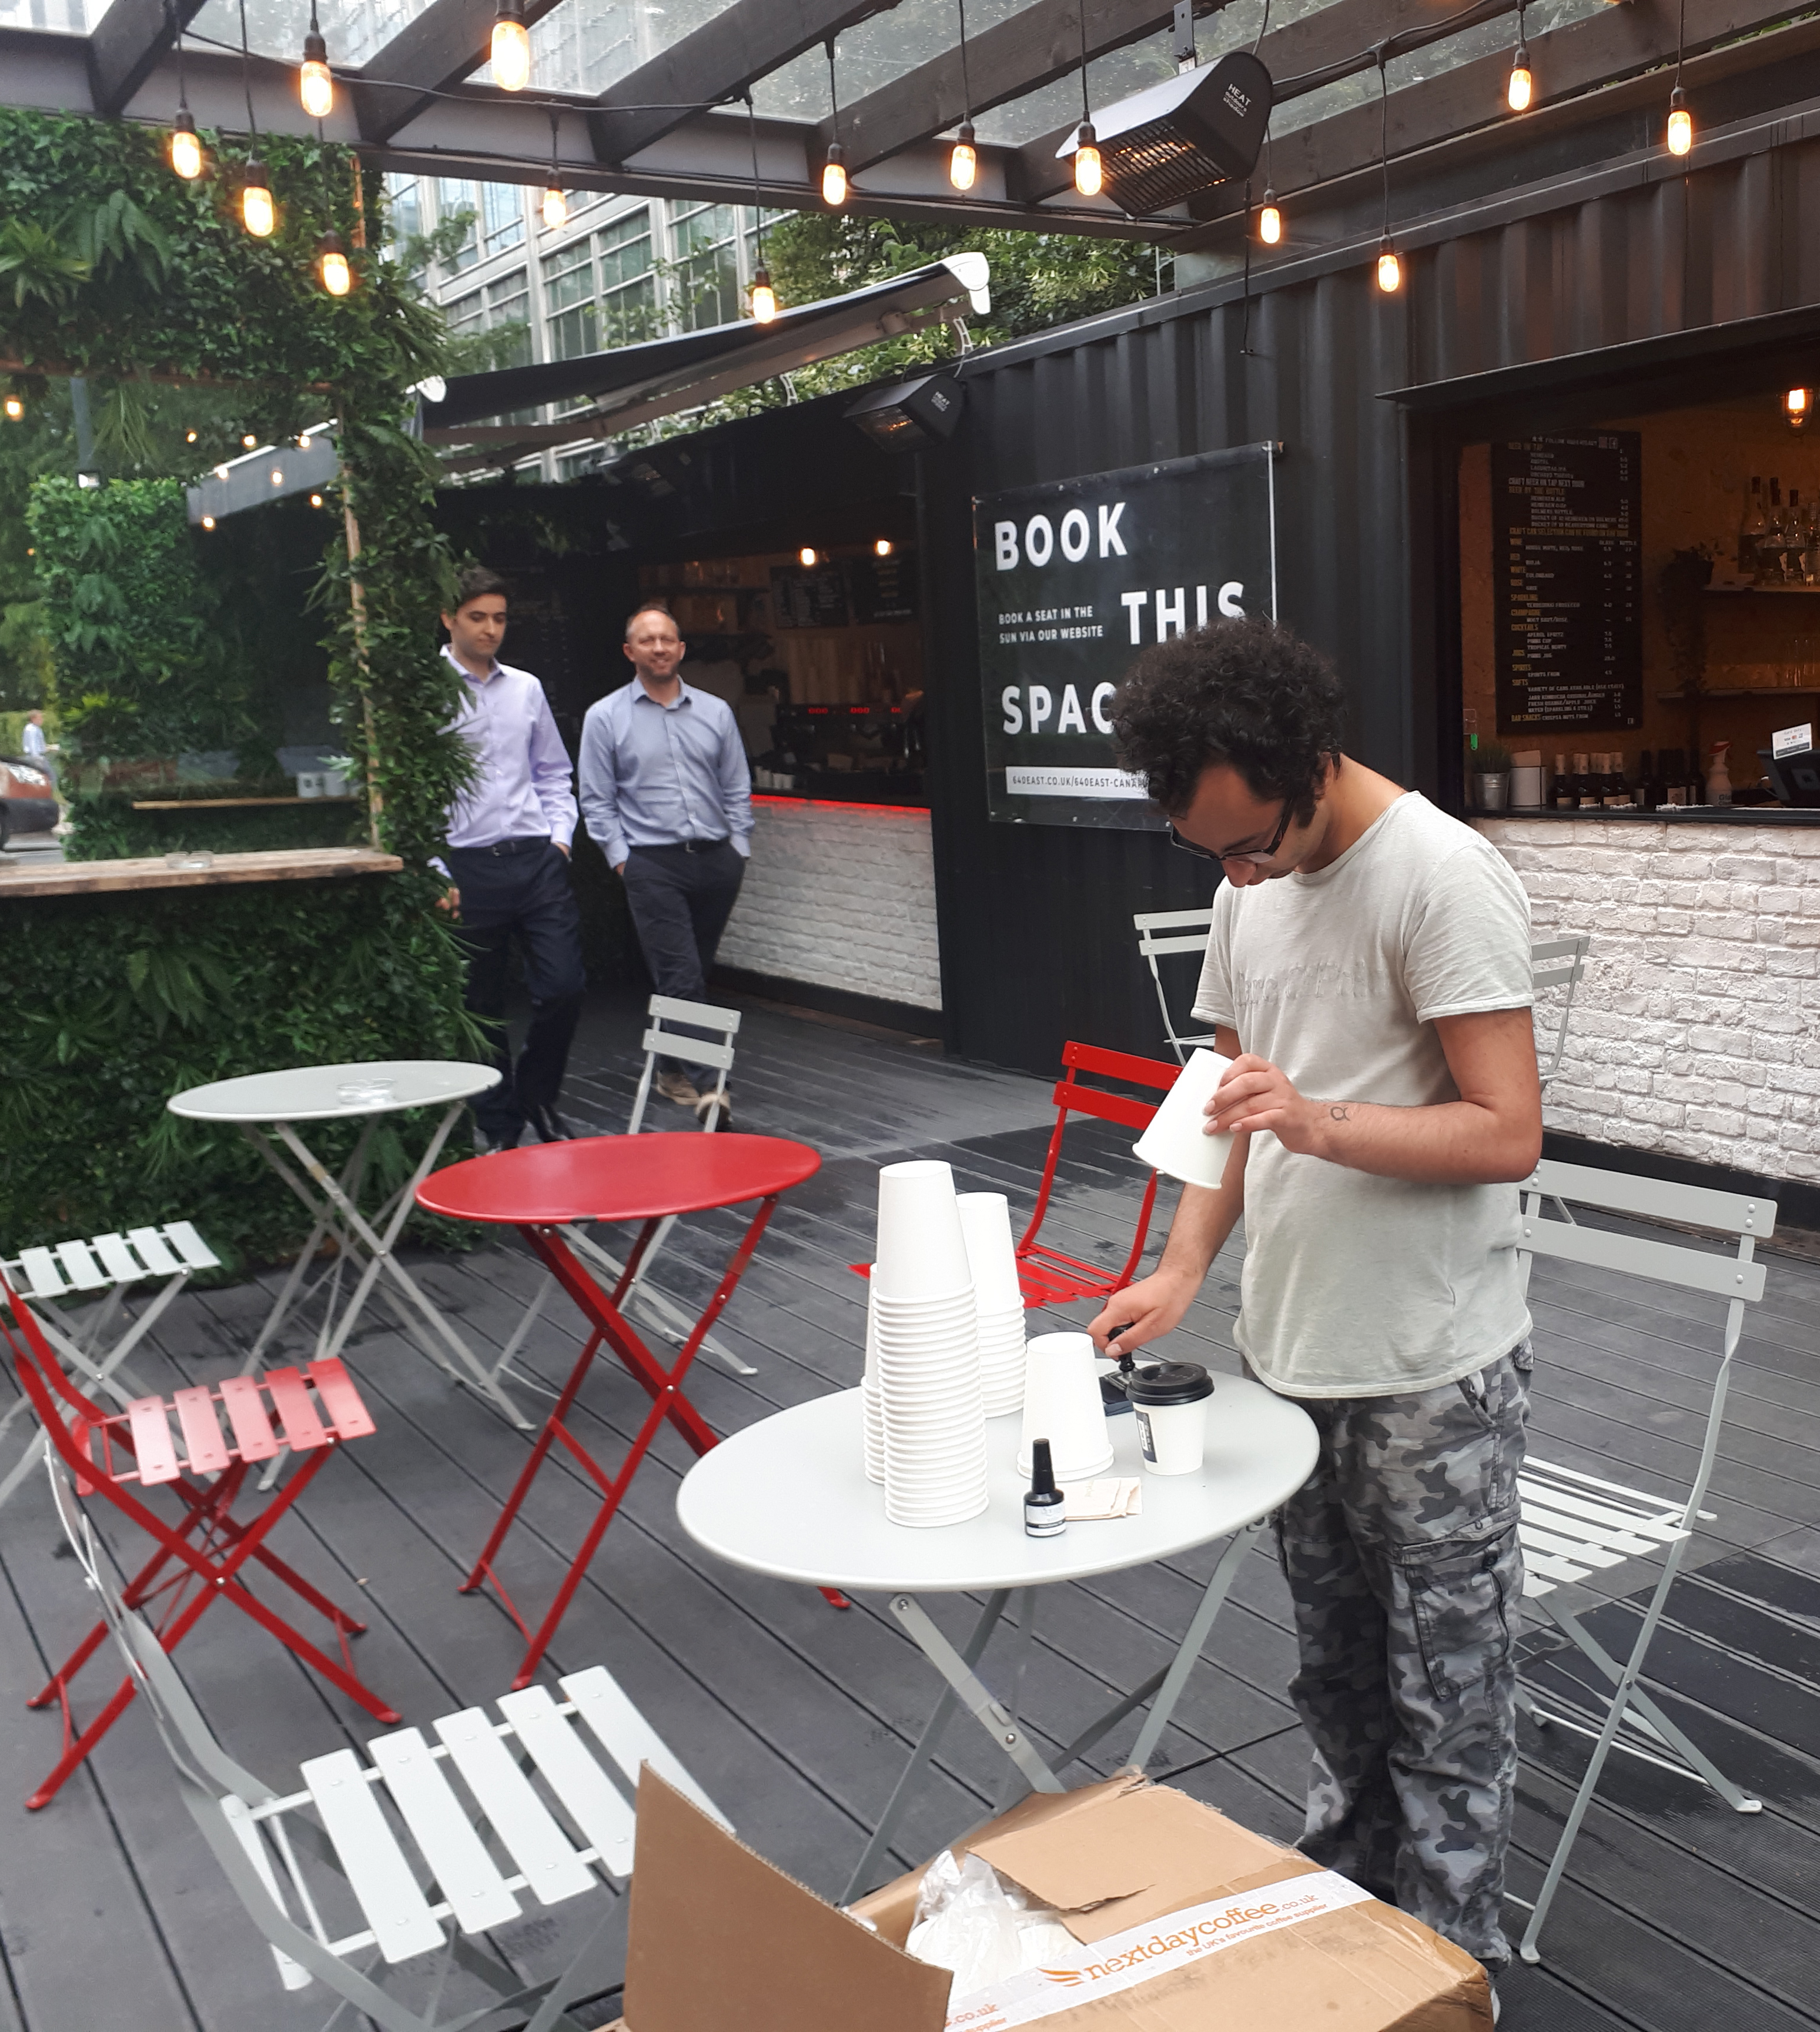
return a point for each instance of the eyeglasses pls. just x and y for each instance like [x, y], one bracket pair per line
[1256, 856]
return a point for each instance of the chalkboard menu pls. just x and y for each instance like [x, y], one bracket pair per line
[809, 596]
[882, 588]
[1565, 575]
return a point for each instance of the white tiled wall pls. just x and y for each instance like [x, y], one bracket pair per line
[1697, 1028]
[843, 896]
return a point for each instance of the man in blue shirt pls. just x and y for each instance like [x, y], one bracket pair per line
[667, 797]
[507, 859]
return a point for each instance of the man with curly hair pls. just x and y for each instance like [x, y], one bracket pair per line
[1368, 974]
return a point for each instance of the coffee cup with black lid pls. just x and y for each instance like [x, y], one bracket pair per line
[1170, 1399]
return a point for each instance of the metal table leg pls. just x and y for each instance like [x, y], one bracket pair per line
[1189, 1650]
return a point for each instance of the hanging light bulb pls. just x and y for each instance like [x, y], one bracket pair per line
[834, 177]
[208, 521]
[1088, 177]
[511, 48]
[15, 409]
[189, 437]
[315, 87]
[1797, 407]
[806, 555]
[248, 440]
[1389, 269]
[315, 501]
[1270, 219]
[963, 158]
[1521, 87]
[555, 206]
[185, 146]
[764, 297]
[332, 265]
[258, 213]
[1680, 123]
[881, 548]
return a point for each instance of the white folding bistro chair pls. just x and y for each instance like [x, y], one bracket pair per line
[56, 1280]
[1557, 963]
[1575, 1525]
[422, 1867]
[1161, 934]
[660, 1313]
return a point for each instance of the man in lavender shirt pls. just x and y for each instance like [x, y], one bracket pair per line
[507, 859]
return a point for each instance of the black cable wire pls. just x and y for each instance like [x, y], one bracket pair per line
[1681, 44]
[966, 84]
[1383, 134]
[1086, 108]
[758, 188]
[246, 74]
[833, 96]
[1261, 26]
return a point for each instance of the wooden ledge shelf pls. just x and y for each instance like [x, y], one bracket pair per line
[234, 804]
[91, 878]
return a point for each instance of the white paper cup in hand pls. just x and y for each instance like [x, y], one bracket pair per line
[922, 1251]
[1171, 1401]
[1176, 1142]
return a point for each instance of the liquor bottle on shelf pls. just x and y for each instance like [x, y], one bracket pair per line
[1617, 783]
[1673, 763]
[1750, 528]
[1648, 791]
[1566, 793]
[1795, 532]
[1591, 795]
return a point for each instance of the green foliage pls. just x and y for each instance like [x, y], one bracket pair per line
[122, 1001]
[133, 628]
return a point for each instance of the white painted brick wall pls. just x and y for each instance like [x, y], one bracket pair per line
[841, 895]
[1696, 1030]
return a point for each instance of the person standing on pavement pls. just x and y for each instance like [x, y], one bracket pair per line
[667, 797]
[36, 746]
[1367, 972]
[507, 860]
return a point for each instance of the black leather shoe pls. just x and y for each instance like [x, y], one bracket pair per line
[486, 1143]
[548, 1126]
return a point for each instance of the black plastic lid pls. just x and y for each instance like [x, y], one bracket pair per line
[1170, 1383]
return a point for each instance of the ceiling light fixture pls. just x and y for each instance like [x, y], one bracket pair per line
[1088, 175]
[332, 265]
[315, 85]
[1269, 219]
[510, 50]
[964, 158]
[882, 547]
[1389, 268]
[1680, 135]
[15, 409]
[555, 197]
[806, 556]
[834, 168]
[764, 298]
[258, 213]
[1520, 86]
[1797, 407]
[185, 147]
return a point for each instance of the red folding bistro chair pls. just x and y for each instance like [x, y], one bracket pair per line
[198, 1558]
[1048, 1277]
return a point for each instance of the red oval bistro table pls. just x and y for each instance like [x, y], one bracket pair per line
[545, 1190]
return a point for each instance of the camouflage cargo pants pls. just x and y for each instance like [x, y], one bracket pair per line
[1402, 1558]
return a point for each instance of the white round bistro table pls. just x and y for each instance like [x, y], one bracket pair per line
[788, 1497]
[265, 1105]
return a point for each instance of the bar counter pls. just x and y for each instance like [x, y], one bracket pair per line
[94, 878]
[1696, 1031]
[840, 897]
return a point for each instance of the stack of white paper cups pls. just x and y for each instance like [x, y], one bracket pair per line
[1062, 1404]
[998, 1299]
[928, 1362]
[869, 1386]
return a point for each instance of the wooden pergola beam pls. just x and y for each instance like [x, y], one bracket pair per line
[1599, 53]
[124, 46]
[741, 43]
[432, 53]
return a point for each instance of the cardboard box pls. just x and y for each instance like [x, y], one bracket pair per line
[1186, 1921]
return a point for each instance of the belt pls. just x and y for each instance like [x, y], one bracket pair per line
[503, 846]
[684, 845]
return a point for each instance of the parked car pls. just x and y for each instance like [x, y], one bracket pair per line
[27, 798]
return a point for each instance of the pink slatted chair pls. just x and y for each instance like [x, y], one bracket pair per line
[225, 1430]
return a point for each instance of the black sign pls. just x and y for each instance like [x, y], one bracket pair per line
[809, 596]
[1565, 576]
[882, 588]
[1074, 578]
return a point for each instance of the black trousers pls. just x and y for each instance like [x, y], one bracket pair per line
[519, 892]
[680, 897]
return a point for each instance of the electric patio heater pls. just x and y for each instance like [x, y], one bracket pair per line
[1188, 134]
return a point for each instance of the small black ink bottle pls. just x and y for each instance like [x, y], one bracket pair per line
[1043, 1503]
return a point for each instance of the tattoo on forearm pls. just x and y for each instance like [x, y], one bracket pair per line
[1340, 1112]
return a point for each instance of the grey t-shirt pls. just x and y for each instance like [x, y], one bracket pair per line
[1356, 1286]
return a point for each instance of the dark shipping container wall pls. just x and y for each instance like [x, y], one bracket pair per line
[1037, 942]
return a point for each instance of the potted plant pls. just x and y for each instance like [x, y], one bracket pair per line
[1491, 776]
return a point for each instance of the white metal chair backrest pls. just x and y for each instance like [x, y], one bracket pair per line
[1558, 963]
[556, 1819]
[672, 1043]
[1162, 933]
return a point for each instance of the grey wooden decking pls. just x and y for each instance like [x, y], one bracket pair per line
[1678, 1917]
